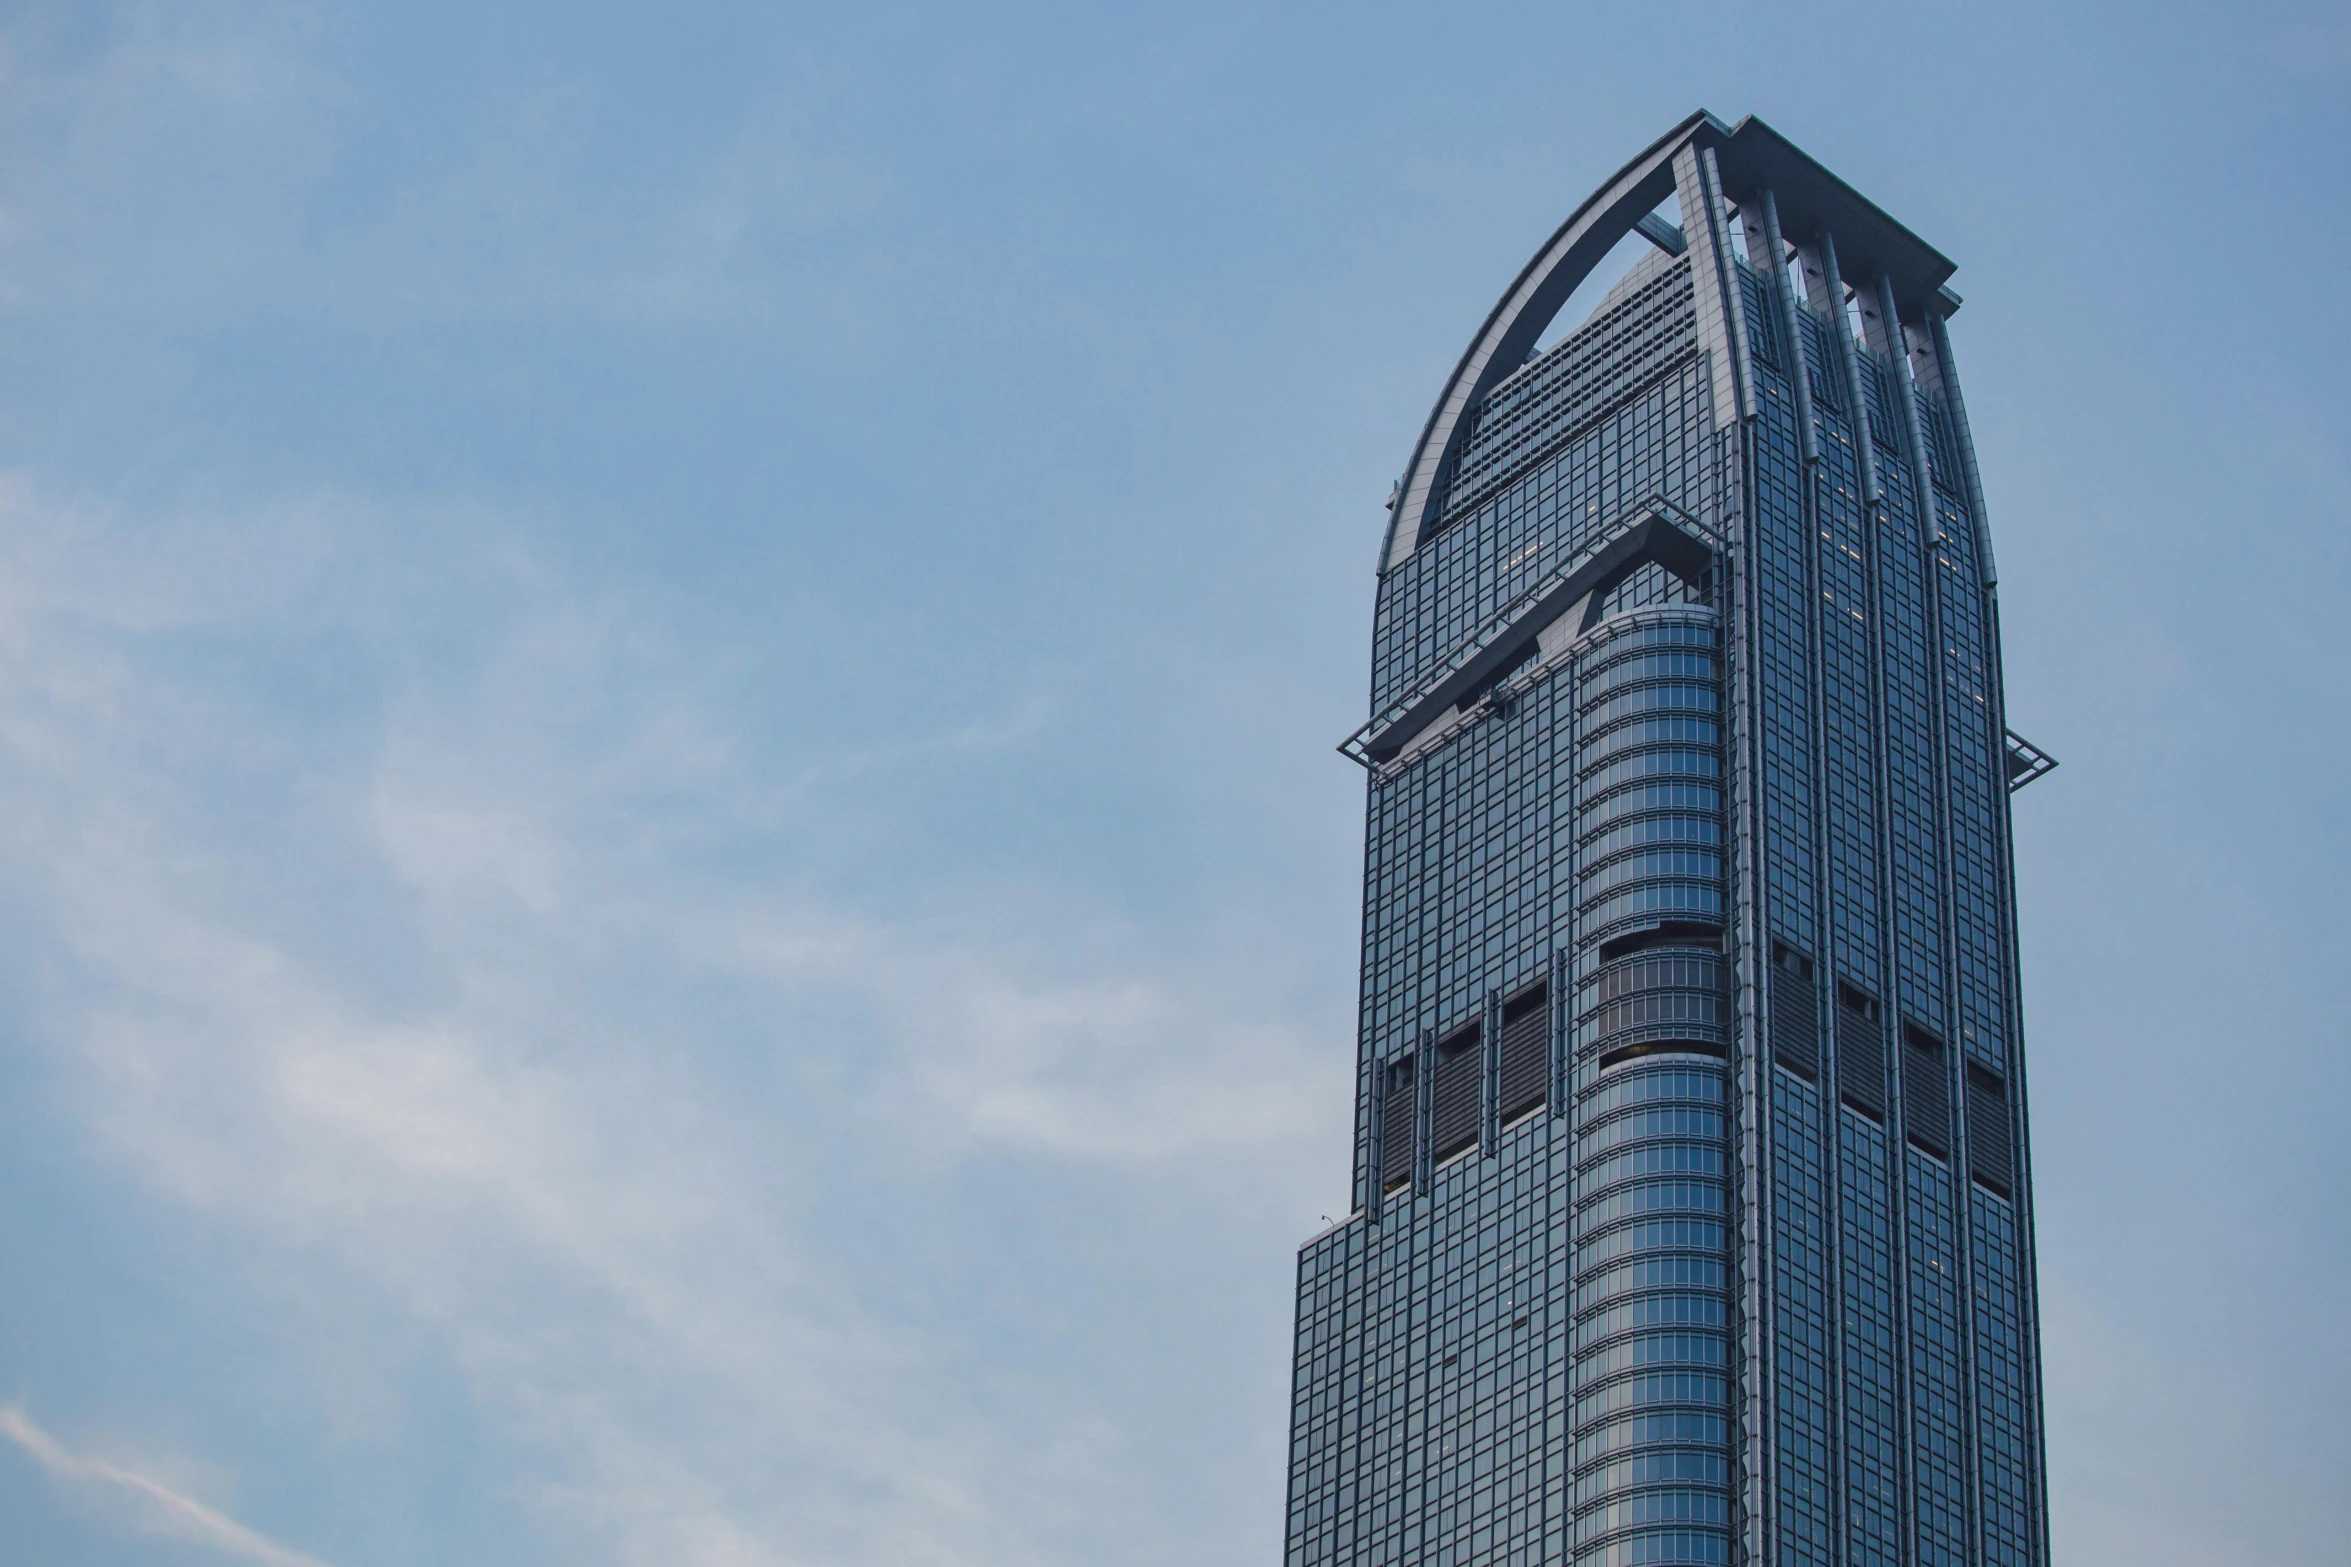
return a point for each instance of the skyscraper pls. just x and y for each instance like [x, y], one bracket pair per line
[1692, 1209]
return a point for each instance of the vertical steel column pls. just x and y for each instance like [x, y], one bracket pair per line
[1831, 1146]
[1367, 1117]
[1799, 372]
[1716, 294]
[1424, 1109]
[1722, 331]
[1889, 975]
[1964, 439]
[1954, 1067]
[1562, 976]
[2012, 978]
[1490, 1075]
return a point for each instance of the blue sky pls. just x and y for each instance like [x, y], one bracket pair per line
[672, 883]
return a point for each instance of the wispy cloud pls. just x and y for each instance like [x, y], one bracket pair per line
[502, 1090]
[143, 1502]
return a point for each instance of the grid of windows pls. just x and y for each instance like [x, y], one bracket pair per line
[1629, 342]
[1651, 1136]
[1526, 1347]
[1431, 603]
[1802, 1411]
[1911, 711]
[1783, 658]
[1466, 850]
[1430, 1382]
[1938, 1451]
[2003, 1443]
[1847, 657]
[1652, 1313]
[1873, 1438]
[1800, 1327]
[1396, 1457]
[1804, 1476]
[1978, 791]
[1971, 752]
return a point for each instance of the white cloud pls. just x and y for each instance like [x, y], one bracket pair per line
[144, 1503]
[1126, 1069]
[494, 1086]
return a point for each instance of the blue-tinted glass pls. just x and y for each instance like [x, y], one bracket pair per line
[1715, 879]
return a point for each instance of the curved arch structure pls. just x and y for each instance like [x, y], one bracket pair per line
[1693, 1199]
[1533, 300]
[1519, 318]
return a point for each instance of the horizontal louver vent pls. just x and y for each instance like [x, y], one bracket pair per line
[1990, 1158]
[1795, 1017]
[1526, 1052]
[1945, 446]
[1453, 1124]
[1926, 1091]
[1828, 371]
[1396, 1126]
[1861, 1052]
[1763, 315]
[1884, 421]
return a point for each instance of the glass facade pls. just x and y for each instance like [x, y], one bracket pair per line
[1692, 1206]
